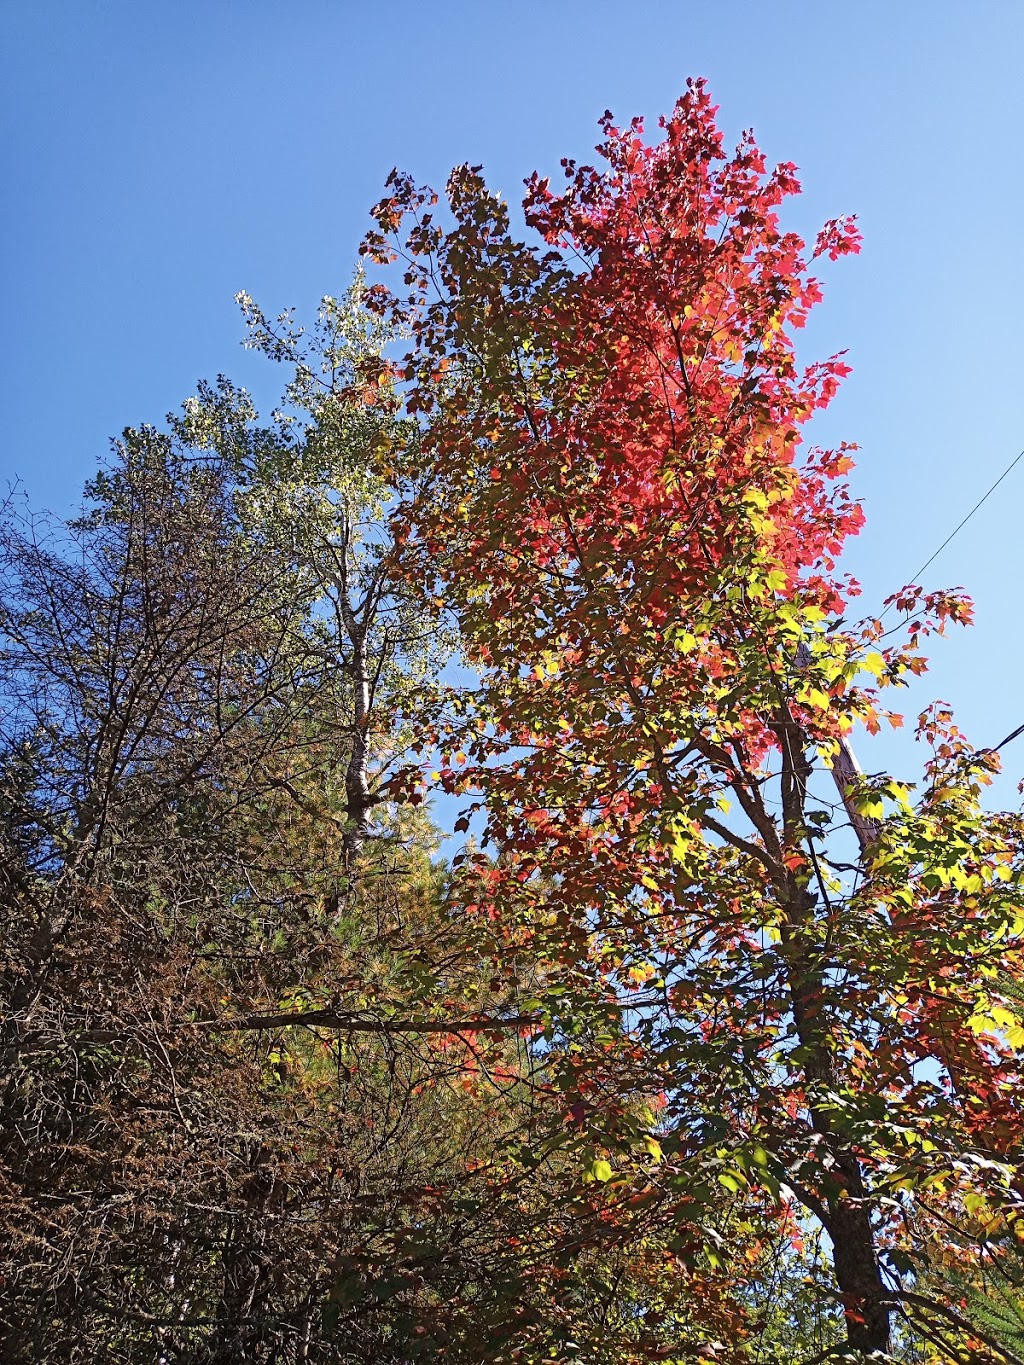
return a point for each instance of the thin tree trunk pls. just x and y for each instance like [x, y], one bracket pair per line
[846, 1211]
[357, 784]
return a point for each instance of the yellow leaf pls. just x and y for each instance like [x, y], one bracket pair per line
[653, 1146]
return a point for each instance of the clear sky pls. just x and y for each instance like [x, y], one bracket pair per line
[159, 155]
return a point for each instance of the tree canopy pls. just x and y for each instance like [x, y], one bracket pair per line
[704, 1046]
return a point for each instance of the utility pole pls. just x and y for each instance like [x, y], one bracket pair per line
[846, 774]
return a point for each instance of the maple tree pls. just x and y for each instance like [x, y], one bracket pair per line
[802, 1004]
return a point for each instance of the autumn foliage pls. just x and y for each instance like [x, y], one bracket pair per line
[703, 1046]
[616, 499]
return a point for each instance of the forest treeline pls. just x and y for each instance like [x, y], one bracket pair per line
[442, 916]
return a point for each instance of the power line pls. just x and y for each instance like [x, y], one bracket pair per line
[1002, 743]
[915, 578]
[1015, 734]
[967, 518]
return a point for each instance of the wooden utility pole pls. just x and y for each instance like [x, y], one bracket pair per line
[846, 773]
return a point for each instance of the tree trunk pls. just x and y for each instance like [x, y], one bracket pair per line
[357, 785]
[845, 1209]
[856, 1264]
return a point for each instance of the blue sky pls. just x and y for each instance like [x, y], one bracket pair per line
[159, 156]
